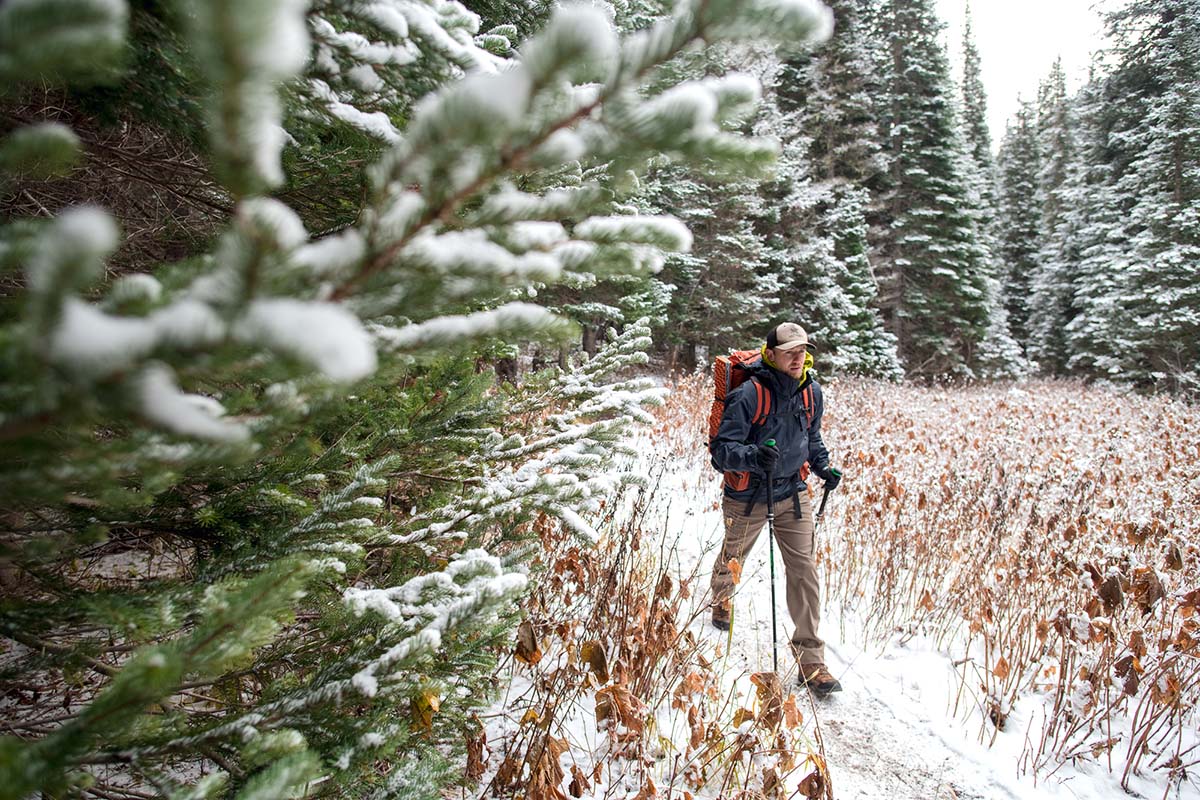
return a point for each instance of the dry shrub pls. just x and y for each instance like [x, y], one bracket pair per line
[1048, 534]
[1045, 535]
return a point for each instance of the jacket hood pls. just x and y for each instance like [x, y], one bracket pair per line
[804, 376]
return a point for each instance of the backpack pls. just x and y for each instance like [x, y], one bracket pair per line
[730, 372]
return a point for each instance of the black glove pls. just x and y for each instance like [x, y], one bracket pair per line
[832, 477]
[767, 457]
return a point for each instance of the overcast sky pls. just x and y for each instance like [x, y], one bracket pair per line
[1018, 41]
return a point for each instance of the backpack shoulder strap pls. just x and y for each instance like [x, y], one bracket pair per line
[763, 402]
[810, 406]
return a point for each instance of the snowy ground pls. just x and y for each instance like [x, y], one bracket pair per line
[893, 732]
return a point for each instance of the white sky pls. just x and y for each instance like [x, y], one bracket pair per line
[1018, 41]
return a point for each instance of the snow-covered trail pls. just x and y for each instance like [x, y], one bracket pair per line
[893, 731]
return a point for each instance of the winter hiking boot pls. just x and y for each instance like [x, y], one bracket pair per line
[720, 618]
[818, 680]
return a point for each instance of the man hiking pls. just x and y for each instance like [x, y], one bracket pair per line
[781, 402]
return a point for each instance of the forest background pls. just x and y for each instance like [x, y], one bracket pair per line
[263, 264]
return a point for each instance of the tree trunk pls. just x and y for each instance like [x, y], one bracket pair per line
[689, 357]
[506, 370]
[591, 339]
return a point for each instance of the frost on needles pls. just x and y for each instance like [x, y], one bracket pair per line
[259, 499]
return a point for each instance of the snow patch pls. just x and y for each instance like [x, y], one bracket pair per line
[324, 335]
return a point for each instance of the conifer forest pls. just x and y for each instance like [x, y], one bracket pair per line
[355, 367]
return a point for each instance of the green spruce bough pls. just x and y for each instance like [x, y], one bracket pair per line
[259, 507]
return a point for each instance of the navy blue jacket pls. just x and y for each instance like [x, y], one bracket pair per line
[735, 446]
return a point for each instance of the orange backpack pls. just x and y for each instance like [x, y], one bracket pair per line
[730, 372]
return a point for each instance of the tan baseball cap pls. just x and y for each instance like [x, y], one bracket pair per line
[787, 336]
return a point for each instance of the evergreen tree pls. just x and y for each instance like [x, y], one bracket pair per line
[933, 286]
[974, 115]
[1137, 280]
[821, 249]
[227, 574]
[723, 293]
[1054, 145]
[830, 91]
[1162, 179]
[1096, 254]
[720, 293]
[998, 354]
[1019, 215]
[818, 229]
[1052, 284]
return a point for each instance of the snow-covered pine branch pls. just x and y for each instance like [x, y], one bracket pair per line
[248, 52]
[562, 467]
[196, 457]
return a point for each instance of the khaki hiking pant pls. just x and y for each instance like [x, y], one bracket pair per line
[794, 538]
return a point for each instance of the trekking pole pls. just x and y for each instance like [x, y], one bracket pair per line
[771, 551]
[817, 519]
[824, 497]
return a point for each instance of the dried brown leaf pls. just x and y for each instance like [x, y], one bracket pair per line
[648, 791]
[595, 656]
[743, 715]
[770, 782]
[770, 699]
[528, 650]
[579, 782]
[424, 705]
[926, 601]
[813, 785]
[792, 717]
[697, 726]
[477, 758]
[508, 773]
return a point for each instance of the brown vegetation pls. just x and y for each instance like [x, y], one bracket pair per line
[1046, 534]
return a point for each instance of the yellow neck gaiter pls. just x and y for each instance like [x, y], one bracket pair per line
[808, 363]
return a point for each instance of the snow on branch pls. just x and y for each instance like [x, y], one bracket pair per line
[736, 94]
[666, 233]
[71, 254]
[323, 335]
[469, 593]
[196, 415]
[439, 26]
[94, 344]
[248, 50]
[578, 43]
[509, 319]
[372, 123]
[61, 40]
[40, 151]
[563, 467]
[333, 255]
[472, 253]
[784, 21]
[510, 205]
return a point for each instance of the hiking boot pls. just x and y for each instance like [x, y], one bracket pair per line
[720, 618]
[818, 680]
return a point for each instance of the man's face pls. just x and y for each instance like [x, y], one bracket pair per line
[790, 361]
